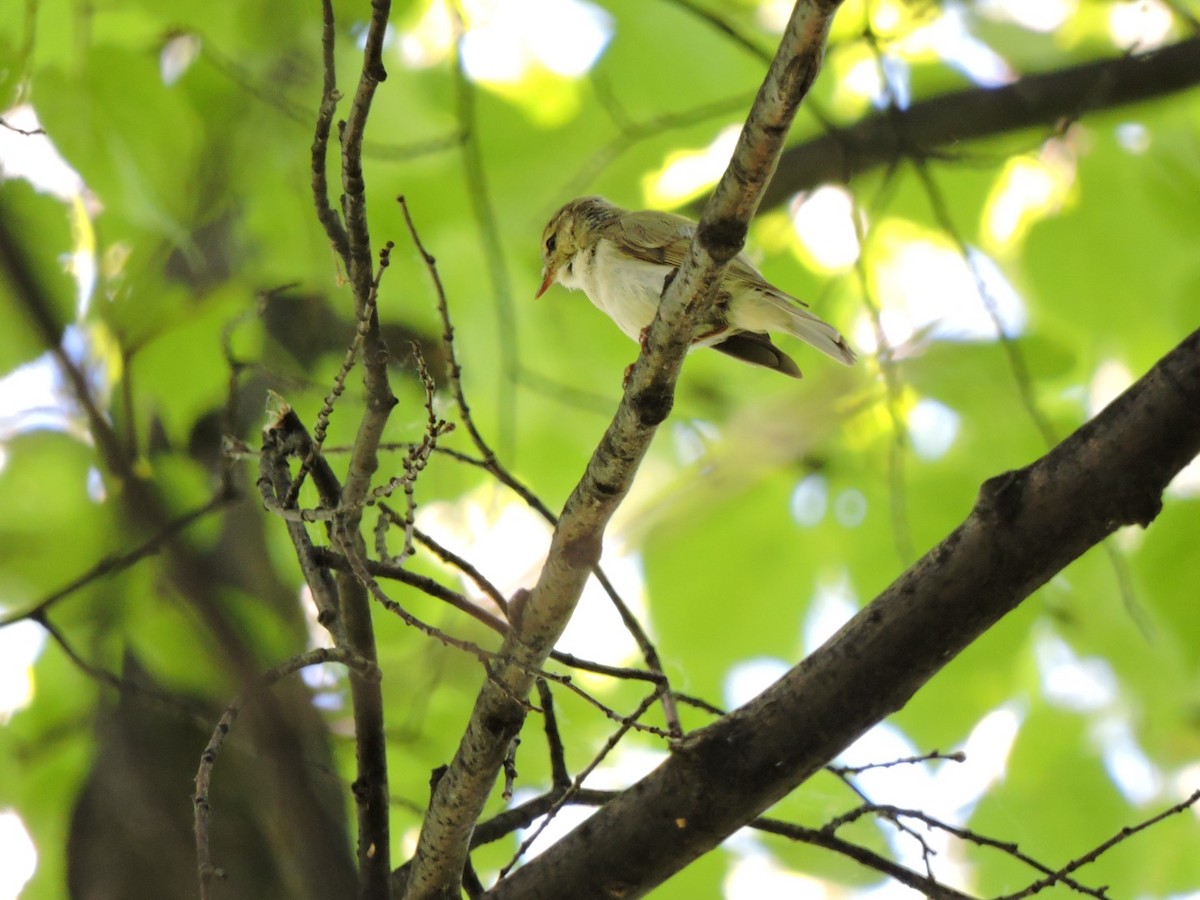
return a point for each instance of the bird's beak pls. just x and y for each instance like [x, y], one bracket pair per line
[548, 276]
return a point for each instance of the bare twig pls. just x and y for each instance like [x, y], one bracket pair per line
[927, 885]
[842, 771]
[560, 777]
[339, 385]
[1100, 849]
[330, 96]
[577, 782]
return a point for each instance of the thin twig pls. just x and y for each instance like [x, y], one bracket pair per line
[928, 886]
[1102, 848]
[560, 777]
[577, 782]
[330, 96]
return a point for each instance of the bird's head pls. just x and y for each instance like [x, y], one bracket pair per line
[575, 227]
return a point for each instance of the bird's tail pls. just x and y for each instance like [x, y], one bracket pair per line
[800, 323]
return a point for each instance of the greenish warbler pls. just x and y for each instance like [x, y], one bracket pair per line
[623, 261]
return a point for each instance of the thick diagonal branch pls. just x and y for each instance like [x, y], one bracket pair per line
[1025, 527]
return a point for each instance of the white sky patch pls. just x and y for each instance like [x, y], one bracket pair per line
[568, 35]
[945, 789]
[96, 491]
[987, 748]
[505, 540]
[1133, 137]
[508, 542]
[177, 56]
[1109, 381]
[34, 157]
[773, 15]
[1080, 685]
[595, 630]
[1183, 783]
[883, 743]
[29, 400]
[34, 396]
[1187, 483]
[1140, 25]
[692, 438]
[20, 645]
[1135, 776]
[925, 287]
[18, 855]
[327, 680]
[863, 79]
[1035, 15]
[504, 39]
[428, 43]
[948, 38]
[895, 82]
[688, 172]
[932, 428]
[1089, 686]
[824, 223]
[810, 500]
[755, 874]
[885, 79]
[1028, 189]
[749, 678]
[566, 820]
[886, 15]
[833, 606]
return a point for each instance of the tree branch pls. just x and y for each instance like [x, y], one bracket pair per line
[931, 126]
[538, 621]
[371, 785]
[1025, 527]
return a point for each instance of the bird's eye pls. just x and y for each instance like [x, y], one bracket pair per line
[551, 243]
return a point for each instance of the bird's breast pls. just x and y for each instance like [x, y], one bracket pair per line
[625, 289]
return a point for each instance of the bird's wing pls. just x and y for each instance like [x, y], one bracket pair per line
[663, 238]
[653, 237]
[742, 272]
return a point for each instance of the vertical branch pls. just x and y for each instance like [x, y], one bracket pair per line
[371, 785]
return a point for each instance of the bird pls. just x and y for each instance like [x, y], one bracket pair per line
[624, 259]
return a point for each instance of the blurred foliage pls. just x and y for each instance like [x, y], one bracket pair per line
[211, 271]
